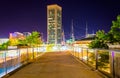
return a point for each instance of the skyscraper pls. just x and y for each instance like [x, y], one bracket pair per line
[54, 24]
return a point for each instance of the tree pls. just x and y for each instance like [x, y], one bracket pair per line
[13, 42]
[100, 34]
[109, 38]
[22, 42]
[100, 40]
[4, 45]
[112, 37]
[103, 59]
[98, 44]
[34, 39]
[115, 30]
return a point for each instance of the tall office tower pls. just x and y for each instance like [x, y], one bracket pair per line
[54, 24]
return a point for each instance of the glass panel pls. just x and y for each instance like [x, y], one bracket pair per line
[30, 54]
[9, 57]
[80, 53]
[117, 64]
[85, 55]
[23, 53]
[12, 60]
[75, 51]
[35, 52]
[91, 57]
[103, 61]
[2, 63]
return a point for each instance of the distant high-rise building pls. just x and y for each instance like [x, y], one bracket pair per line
[54, 24]
[72, 30]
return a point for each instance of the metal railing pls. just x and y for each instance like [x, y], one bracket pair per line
[15, 58]
[105, 61]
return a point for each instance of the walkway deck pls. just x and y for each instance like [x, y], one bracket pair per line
[56, 65]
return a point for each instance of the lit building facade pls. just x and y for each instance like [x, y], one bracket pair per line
[3, 40]
[54, 24]
[17, 35]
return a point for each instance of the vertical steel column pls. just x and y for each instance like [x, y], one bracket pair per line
[5, 62]
[82, 53]
[112, 64]
[27, 56]
[87, 54]
[96, 59]
[18, 56]
[78, 52]
[37, 51]
[73, 50]
[33, 52]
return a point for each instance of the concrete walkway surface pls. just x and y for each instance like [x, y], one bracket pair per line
[56, 65]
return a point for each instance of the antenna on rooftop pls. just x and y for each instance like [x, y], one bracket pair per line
[73, 38]
[86, 33]
[93, 32]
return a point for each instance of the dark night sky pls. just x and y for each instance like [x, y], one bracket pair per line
[30, 15]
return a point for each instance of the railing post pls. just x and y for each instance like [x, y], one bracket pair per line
[5, 62]
[87, 54]
[78, 52]
[96, 58]
[112, 64]
[27, 56]
[82, 53]
[33, 52]
[73, 51]
[19, 57]
[37, 51]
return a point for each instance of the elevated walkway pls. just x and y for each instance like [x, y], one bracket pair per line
[56, 65]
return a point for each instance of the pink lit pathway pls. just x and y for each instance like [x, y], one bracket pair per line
[56, 65]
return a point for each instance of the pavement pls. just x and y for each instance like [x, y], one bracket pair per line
[56, 65]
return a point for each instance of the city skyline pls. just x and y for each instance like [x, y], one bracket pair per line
[30, 15]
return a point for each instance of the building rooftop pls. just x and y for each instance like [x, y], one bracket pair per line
[88, 38]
